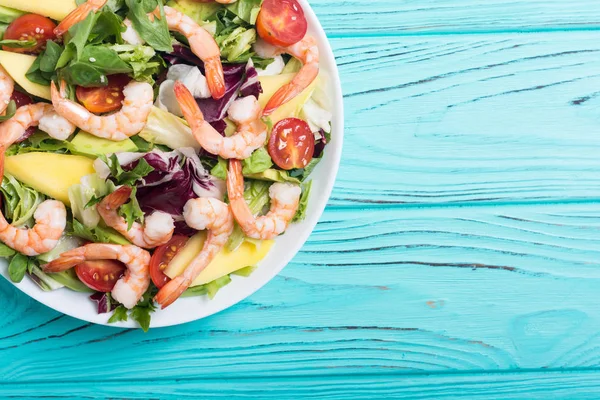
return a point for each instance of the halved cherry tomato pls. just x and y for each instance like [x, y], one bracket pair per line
[162, 257]
[281, 22]
[292, 144]
[100, 275]
[30, 26]
[106, 98]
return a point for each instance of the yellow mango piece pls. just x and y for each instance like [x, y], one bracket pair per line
[271, 84]
[55, 9]
[226, 262]
[49, 173]
[17, 66]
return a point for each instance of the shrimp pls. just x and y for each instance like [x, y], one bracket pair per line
[128, 121]
[157, 229]
[285, 198]
[203, 45]
[250, 135]
[7, 86]
[50, 223]
[307, 52]
[131, 287]
[202, 213]
[40, 114]
[78, 15]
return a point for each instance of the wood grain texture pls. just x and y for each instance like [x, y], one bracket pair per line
[384, 291]
[352, 18]
[459, 256]
[477, 118]
[578, 385]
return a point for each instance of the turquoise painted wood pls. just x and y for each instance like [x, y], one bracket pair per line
[459, 256]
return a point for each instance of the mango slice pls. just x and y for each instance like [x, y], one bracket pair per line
[49, 173]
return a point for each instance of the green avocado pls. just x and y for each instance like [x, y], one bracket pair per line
[89, 145]
[69, 279]
[199, 12]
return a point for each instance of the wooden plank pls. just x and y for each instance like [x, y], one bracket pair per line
[398, 290]
[406, 17]
[475, 118]
[507, 386]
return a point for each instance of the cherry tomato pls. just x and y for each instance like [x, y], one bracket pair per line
[292, 144]
[30, 26]
[162, 257]
[281, 22]
[100, 275]
[106, 98]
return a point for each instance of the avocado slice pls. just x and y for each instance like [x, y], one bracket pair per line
[69, 279]
[89, 145]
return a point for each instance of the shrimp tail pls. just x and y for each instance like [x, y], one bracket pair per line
[190, 109]
[63, 263]
[172, 291]
[78, 15]
[215, 79]
[305, 77]
[117, 198]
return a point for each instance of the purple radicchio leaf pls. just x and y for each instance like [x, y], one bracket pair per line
[240, 79]
[103, 300]
[251, 85]
[178, 176]
[320, 145]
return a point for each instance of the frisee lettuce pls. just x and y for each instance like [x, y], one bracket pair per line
[20, 201]
[140, 313]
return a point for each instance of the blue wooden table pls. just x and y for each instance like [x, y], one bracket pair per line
[459, 256]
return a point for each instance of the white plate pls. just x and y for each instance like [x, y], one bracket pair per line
[190, 309]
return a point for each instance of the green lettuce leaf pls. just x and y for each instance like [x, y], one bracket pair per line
[98, 234]
[20, 201]
[156, 32]
[131, 210]
[141, 313]
[18, 267]
[142, 59]
[257, 163]
[256, 194]
[246, 10]
[301, 213]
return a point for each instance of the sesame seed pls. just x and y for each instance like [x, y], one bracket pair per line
[92, 60]
[37, 30]
[103, 79]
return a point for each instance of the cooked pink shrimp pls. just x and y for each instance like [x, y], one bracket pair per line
[203, 45]
[285, 198]
[39, 114]
[251, 133]
[130, 288]
[307, 52]
[7, 86]
[202, 213]
[126, 122]
[157, 229]
[50, 223]
[78, 15]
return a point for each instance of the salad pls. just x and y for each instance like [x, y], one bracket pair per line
[150, 150]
